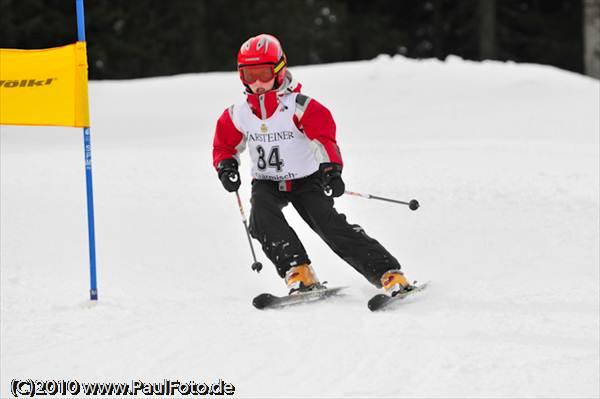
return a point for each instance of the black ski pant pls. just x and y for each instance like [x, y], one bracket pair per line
[283, 247]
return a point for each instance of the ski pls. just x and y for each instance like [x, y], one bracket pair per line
[381, 301]
[270, 301]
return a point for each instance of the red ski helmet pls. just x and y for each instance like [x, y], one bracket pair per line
[261, 57]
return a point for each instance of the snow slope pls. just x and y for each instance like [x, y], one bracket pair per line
[504, 159]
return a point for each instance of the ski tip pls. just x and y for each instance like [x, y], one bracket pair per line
[377, 302]
[263, 300]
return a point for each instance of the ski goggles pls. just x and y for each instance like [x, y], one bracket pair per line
[264, 72]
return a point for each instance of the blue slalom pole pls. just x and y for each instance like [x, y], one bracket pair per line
[80, 21]
[87, 146]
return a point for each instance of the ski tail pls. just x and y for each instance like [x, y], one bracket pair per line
[381, 301]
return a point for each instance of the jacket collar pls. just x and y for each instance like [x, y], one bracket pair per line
[265, 105]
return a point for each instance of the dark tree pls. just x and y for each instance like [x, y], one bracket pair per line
[487, 29]
[129, 39]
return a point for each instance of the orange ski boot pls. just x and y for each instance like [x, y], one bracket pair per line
[301, 278]
[394, 282]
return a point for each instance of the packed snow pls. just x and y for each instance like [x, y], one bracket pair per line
[503, 157]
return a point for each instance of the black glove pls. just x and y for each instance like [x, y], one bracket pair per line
[331, 174]
[229, 175]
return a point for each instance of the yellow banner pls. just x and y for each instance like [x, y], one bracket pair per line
[44, 87]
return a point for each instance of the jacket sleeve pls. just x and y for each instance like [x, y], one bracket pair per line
[229, 142]
[317, 123]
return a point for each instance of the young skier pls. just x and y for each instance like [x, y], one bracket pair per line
[295, 159]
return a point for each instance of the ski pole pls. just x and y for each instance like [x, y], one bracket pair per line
[256, 266]
[412, 204]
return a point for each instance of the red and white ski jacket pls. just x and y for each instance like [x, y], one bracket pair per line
[288, 134]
